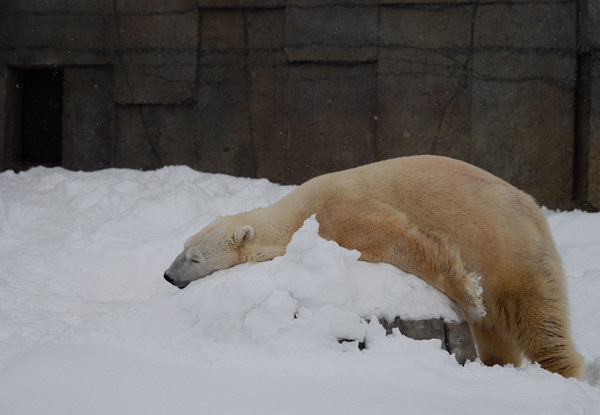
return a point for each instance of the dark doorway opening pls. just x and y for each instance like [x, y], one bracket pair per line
[41, 116]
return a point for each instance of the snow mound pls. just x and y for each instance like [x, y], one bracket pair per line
[308, 299]
[89, 326]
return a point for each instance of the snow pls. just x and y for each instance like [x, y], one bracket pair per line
[89, 326]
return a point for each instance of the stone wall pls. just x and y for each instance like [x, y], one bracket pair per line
[291, 89]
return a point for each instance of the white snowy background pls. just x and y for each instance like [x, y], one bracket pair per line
[89, 326]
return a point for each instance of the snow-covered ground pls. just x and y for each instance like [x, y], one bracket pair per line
[89, 326]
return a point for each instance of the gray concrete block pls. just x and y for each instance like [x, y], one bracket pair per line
[455, 337]
[418, 329]
[459, 342]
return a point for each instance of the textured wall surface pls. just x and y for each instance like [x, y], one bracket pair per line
[291, 89]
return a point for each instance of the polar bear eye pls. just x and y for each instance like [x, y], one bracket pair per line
[195, 257]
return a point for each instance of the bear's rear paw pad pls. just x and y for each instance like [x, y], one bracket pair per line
[476, 309]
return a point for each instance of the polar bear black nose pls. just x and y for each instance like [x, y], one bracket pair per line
[172, 281]
[169, 279]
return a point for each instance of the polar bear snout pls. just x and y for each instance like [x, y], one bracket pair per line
[185, 270]
[178, 284]
[182, 272]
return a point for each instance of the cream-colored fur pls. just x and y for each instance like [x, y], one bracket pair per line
[469, 234]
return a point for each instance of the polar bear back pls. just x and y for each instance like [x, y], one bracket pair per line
[472, 207]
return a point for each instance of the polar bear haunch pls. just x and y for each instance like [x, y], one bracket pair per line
[474, 237]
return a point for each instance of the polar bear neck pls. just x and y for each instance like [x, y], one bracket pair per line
[274, 226]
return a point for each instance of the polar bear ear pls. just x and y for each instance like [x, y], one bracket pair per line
[243, 234]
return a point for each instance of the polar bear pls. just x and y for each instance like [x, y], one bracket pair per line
[471, 235]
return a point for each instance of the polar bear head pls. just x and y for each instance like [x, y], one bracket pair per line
[220, 245]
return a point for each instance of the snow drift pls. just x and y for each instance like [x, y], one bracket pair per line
[89, 326]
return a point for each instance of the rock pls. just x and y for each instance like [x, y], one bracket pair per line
[455, 337]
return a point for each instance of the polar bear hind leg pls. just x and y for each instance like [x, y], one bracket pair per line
[541, 329]
[528, 319]
[494, 345]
